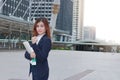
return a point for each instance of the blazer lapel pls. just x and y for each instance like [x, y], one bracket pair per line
[41, 39]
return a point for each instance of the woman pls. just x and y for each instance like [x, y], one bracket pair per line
[41, 44]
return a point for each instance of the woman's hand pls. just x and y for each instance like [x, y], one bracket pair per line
[32, 55]
[34, 40]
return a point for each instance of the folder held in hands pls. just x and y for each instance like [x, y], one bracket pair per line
[29, 50]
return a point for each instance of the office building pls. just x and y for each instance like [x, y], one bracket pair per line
[77, 29]
[64, 19]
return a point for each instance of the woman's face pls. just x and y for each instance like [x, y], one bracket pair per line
[40, 28]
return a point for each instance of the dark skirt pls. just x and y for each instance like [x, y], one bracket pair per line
[43, 76]
[40, 73]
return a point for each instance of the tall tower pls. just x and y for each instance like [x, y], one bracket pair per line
[64, 19]
[77, 30]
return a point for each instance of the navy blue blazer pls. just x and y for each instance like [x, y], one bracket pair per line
[41, 70]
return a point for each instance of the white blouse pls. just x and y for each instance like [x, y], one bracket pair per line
[39, 38]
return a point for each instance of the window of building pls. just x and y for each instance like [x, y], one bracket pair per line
[49, 19]
[43, 4]
[50, 8]
[8, 5]
[16, 1]
[42, 15]
[50, 4]
[43, 7]
[5, 4]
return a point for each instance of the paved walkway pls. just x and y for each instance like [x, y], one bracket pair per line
[64, 65]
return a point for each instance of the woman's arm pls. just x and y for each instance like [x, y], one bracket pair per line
[27, 55]
[42, 53]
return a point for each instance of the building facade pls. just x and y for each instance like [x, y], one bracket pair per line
[41, 8]
[64, 19]
[14, 27]
[89, 33]
[15, 8]
[77, 29]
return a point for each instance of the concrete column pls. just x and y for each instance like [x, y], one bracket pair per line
[9, 38]
[61, 38]
[1, 2]
[66, 38]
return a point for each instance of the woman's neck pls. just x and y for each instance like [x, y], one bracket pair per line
[41, 34]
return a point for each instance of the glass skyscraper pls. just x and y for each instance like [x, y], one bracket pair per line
[64, 19]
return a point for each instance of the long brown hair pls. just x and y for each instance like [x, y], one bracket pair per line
[45, 21]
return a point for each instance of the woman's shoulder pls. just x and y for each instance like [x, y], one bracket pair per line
[46, 38]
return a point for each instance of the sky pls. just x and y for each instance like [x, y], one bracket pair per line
[105, 16]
